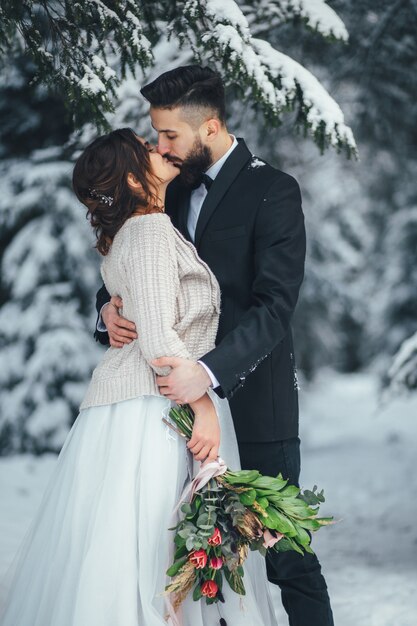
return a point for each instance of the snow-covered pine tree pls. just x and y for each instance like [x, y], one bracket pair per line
[49, 273]
[383, 65]
[85, 48]
[402, 375]
[49, 276]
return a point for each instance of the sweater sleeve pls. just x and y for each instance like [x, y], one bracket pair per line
[152, 276]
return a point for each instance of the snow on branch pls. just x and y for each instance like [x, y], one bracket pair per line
[278, 82]
[319, 17]
[80, 49]
[402, 375]
[323, 116]
[316, 14]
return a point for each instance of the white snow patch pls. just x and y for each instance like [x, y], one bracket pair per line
[255, 163]
[91, 82]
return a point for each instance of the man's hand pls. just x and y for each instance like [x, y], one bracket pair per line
[121, 330]
[187, 381]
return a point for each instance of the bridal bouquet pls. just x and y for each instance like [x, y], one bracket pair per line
[226, 514]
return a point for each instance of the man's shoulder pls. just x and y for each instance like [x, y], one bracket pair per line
[267, 175]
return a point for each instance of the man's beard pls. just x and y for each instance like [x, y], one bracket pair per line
[197, 161]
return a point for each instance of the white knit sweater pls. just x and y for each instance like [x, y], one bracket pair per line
[170, 294]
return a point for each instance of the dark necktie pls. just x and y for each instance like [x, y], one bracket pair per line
[207, 181]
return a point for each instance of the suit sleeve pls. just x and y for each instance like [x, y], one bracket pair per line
[102, 297]
[279, 256]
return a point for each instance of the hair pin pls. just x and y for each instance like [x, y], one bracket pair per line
[96, 195]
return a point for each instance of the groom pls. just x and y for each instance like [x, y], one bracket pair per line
[246, 221]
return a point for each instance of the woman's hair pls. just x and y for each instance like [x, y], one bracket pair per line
[188, 86]
[100, 183]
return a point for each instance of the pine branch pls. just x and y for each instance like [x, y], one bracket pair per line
[273, 79]
[316, 15]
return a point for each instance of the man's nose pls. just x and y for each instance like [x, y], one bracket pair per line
[162, 147]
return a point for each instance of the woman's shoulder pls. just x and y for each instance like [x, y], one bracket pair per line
[146, 235]
[148, 224]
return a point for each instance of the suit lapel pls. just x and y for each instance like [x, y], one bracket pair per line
[233, 165]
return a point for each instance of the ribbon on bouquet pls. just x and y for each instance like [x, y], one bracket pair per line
[204, 475]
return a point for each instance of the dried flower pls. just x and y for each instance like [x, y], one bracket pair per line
[250, 526]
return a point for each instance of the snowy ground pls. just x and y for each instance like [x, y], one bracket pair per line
[363, 457]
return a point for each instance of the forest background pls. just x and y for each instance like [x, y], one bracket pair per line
[355, 326]
[358, 303]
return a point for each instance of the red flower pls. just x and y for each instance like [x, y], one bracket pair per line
[198, 559]
[216, 538]
[216, 562]
[209, 589]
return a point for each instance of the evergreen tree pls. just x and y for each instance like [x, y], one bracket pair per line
[85, 48]
[49, 272]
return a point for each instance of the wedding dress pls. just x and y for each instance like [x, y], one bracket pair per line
[98, 548]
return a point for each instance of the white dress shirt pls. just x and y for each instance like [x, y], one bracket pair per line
[196, 202]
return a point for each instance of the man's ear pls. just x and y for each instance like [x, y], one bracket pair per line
[210, 129]
[133, 183]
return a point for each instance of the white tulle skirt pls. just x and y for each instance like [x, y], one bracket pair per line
[99, 546]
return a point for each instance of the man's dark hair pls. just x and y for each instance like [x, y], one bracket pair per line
[190, 85]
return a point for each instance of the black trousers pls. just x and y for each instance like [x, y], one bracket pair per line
[303, 588]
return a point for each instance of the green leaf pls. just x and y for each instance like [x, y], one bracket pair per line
[286, 544]
[309, 524]
[263, 502]
[180, 551]
[197, 595]
[302, 537]
[185, 532]
[218, 578]
[267, 482]
[311, 497]
[241, 477]
[281, 522]
[290, 490]
[266, 493]
[207, 528]
[187, 509]
[202, 520]
[235, 581]
[179, 541]
[248, 497]
[191, 543]
[175, 567]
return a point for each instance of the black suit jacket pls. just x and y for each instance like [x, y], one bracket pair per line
[251, 234]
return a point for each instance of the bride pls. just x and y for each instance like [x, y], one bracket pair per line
[98, 548]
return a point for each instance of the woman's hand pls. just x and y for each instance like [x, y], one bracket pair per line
[205, 441]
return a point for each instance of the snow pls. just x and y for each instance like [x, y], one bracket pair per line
[231, 40]
[228, 11]
[403, 370]
[322, 108]
[319, 16]
[91, 82]
[362, 457]
[100, 65]
[316, 14]
[255, 163]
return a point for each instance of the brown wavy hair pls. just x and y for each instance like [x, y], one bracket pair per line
[100, 182]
